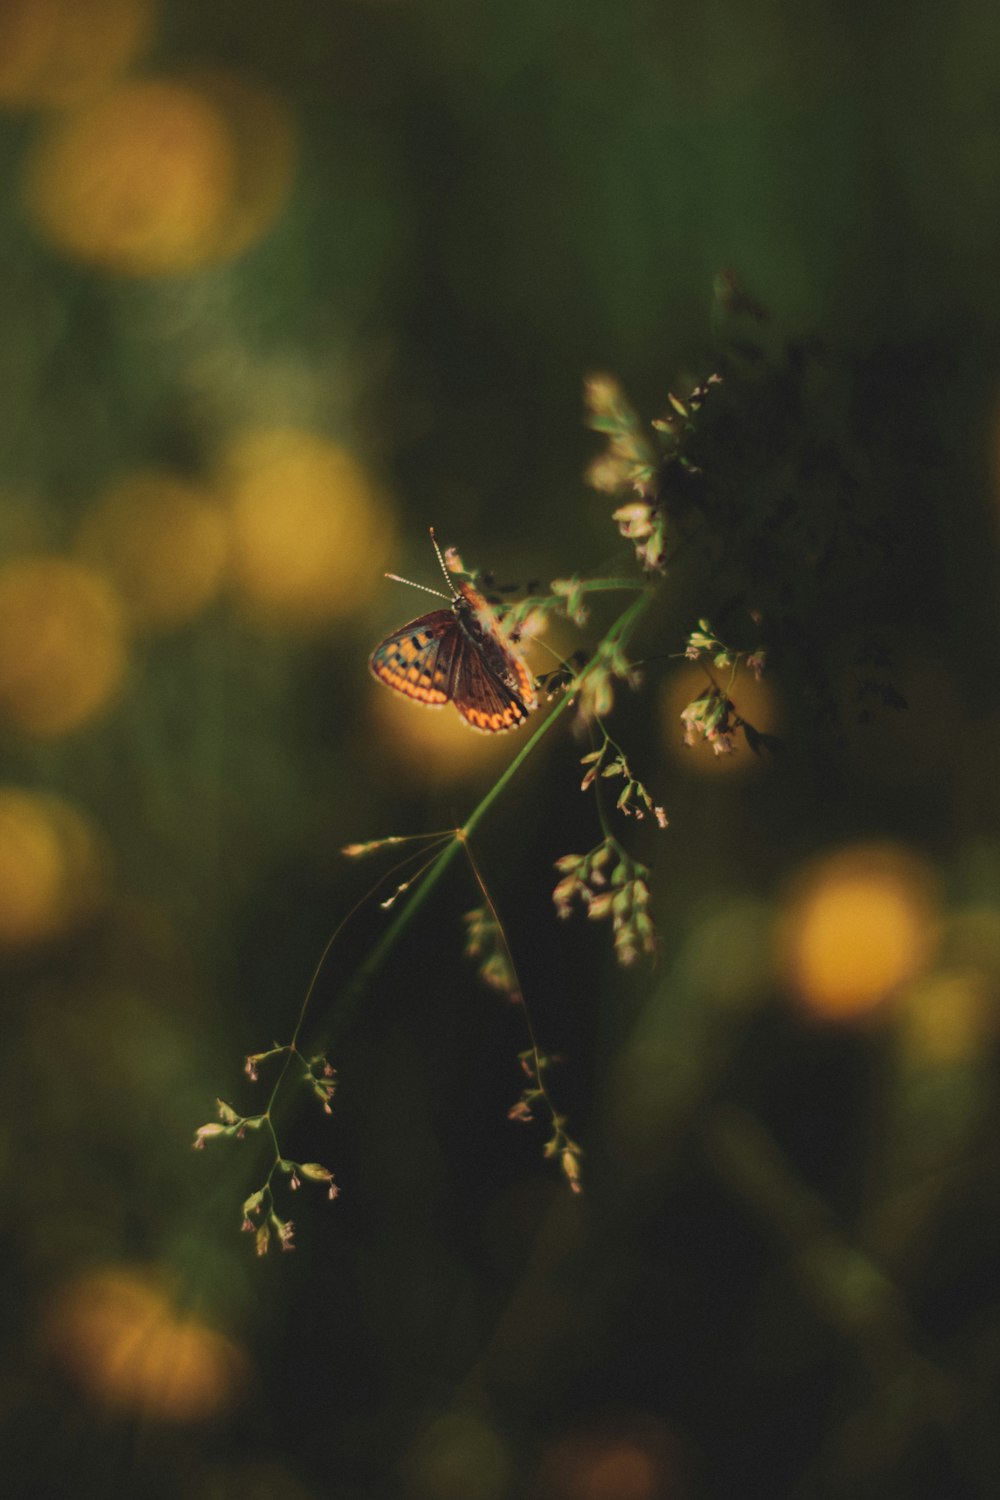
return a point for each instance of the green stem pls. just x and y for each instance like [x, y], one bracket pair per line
[611, 585]
[346, 1005]
[587, 586]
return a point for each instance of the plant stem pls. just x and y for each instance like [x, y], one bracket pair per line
[346, 1004]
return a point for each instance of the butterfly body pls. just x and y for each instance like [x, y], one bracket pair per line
[459, 655]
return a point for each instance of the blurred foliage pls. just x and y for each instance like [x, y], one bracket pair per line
[280, 287]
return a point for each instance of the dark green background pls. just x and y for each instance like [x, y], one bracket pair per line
[494, 199]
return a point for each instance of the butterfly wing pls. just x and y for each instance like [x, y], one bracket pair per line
[421, 659]
[459, 655]
[482, 698]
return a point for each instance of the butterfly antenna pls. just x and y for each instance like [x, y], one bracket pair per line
[440, 558]
[422, 586]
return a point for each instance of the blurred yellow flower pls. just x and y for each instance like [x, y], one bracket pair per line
[310, 531]
[119, 1336]
[138, 181]
[160, 176]
[858, 924]
[162, 541]
[62, 648]
[51, 867]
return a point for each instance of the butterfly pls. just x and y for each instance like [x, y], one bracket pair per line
[458, 655]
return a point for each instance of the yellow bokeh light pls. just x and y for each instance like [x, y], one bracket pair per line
[60, 52]
[117, 1333]
[51, 868]
[310, 533]
[757, 702]
[161, 176]
[139, 182]
[162, 542]
[62, 649]
[859, 924]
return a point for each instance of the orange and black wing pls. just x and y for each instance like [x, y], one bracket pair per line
[421, 659]
[483, 700]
